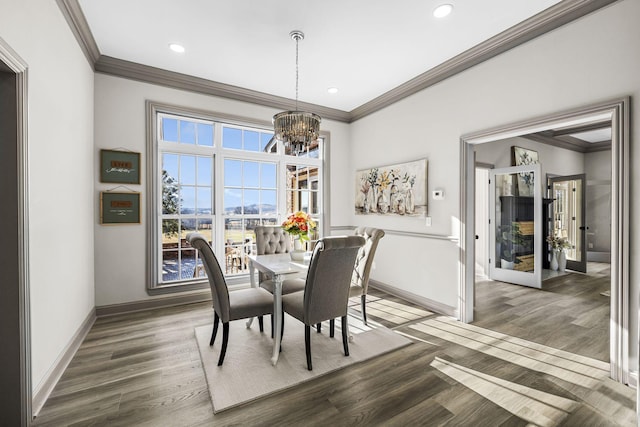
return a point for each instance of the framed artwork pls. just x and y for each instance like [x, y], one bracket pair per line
[393, 190]
[122, 167]
[525, 181]
[119, 208]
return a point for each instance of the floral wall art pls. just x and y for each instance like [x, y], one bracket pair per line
[393, 190]
[525, 182]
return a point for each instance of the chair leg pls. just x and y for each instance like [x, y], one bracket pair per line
[261, 323]
[307, 345]
[363, 300]
[345, 340]
[225, 340]
[332, 325]
[319, 327]
[216, 319]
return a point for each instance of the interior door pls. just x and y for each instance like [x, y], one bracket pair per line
[515, 225]
[569, 217]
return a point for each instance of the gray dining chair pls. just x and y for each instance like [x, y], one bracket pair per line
[362, 269]
[272, 239]
[228, 306]
[326, 291]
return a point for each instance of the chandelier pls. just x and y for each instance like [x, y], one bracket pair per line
[298, 130]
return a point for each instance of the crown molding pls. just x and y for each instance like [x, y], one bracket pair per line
[148, 74]
[572, 144]
[545, 21]
[72, 12]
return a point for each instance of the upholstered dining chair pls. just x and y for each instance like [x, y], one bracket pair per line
[362, 269]
[272, 239]
[326, 291]
[228, 306]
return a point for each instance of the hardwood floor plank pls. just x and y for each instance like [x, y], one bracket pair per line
[144, 369]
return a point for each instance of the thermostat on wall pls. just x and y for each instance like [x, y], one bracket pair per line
[438, 194]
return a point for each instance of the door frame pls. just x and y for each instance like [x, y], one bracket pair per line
[617, 111]
[20, 315]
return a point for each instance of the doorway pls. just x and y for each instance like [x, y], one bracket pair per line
[15, 375]
[617, 114]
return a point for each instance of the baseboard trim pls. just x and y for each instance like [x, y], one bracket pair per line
[633, 379]
[44, 389]
[416, 299]
[168, 301]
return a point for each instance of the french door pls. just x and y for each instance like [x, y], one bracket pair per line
[569, 212]
[515, 225]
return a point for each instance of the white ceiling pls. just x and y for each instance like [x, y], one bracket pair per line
[363, 47]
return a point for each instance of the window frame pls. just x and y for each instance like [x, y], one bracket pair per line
[155, 150]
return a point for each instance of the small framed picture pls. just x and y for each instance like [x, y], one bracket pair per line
[525, 180]
[119, 208]
[121, 167]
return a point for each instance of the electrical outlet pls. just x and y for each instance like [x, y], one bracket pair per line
[428, 221]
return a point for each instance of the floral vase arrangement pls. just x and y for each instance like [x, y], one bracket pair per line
[298, 225]
[558, 255]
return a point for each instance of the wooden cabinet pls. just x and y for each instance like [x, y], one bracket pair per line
[517, 219]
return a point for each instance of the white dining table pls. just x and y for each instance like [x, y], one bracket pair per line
[279, 267]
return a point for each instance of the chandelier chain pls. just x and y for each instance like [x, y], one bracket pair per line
[297, 41]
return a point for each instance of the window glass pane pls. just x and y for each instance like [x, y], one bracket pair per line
[269, 221]
[188, 200]
[170, 266]
[268, 175]
[232, 173]
[205, 227]
[303, 177]
[170, 190]
[187, 132]
[204, 201]
[170, 165]
[304, 201]
[188, 226]
[188, 264]
[251, 201]
[232, 201]
[292, 177]
[269, 201]
[264, 140]
[251, 174]
[251, 140]
[169, 129]
[204, 171]
[231, 138]
[205, 134]
[187, 170]
[170, 230]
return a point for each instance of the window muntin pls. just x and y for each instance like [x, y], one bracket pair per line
[221, 180]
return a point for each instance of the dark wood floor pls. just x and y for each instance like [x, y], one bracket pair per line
[570, 312]
[143, 369]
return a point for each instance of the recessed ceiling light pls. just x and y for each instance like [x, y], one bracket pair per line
[442, 10]
[176, 47]
[332, 90]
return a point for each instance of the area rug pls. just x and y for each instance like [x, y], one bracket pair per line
[247, 373]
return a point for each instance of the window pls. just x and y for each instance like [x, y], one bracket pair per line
[220, 178]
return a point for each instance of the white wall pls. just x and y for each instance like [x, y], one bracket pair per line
[593, 59]
[60, 138]
[598, 167]
[120, 251]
